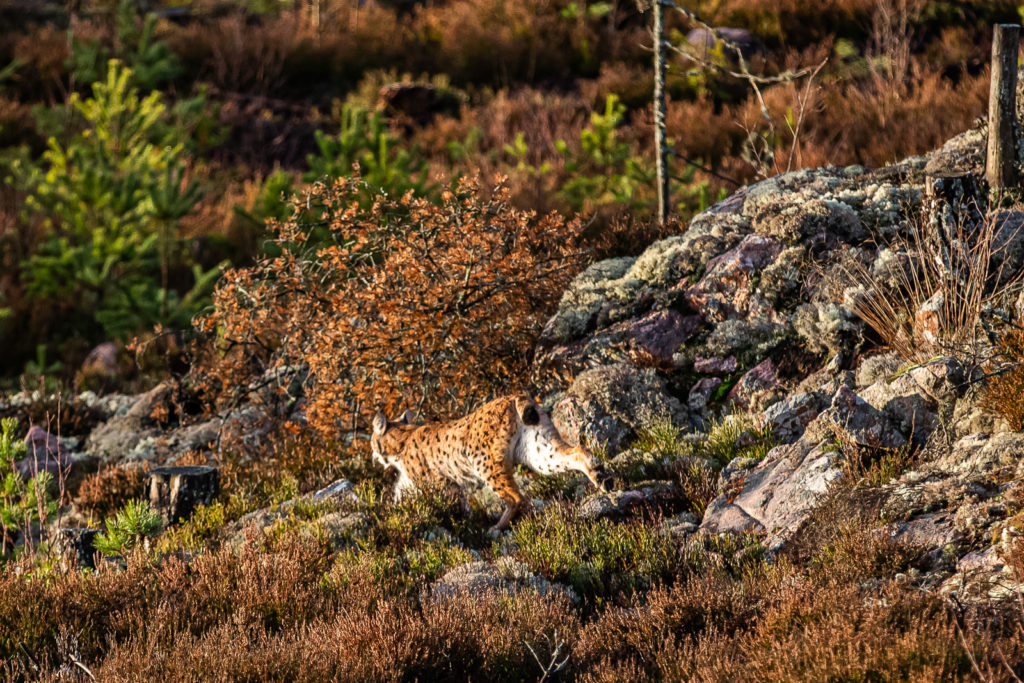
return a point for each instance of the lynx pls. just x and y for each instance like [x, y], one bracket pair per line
[482, 447]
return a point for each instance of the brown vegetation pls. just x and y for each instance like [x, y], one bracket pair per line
[405, 301]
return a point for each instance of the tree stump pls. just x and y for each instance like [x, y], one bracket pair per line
[175, 492]
[74, 547]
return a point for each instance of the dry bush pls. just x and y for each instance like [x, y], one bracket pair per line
[106, 491]
[236, 56]
[1003, 395]
[450, 640]
[403, 302]
[501, 42]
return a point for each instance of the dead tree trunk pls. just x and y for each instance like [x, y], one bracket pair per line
[660, 147]
[1001, 166]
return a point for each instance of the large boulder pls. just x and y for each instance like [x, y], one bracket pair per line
[608, 405]
[776, 496]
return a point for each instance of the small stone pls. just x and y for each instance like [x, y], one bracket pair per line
[701, 392]
[46, 453]
[715, 366]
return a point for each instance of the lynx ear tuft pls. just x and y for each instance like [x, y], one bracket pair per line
[380, 424]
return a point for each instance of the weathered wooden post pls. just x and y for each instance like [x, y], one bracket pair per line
[1001, 166]
[661, 162]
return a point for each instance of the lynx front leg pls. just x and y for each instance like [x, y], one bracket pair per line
[505, 486]
[403, 487]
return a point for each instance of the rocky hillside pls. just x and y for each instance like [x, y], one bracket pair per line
[756, 413]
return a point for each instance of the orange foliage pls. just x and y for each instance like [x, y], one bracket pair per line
[402, 300]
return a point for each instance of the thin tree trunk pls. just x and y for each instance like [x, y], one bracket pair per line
[1001, 167]
[659, 110]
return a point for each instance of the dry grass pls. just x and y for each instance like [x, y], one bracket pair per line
[958, 275]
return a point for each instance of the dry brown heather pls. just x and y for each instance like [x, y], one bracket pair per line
[291, 609]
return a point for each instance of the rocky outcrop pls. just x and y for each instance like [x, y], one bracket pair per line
[725, 303]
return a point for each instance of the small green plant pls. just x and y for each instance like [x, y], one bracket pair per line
[21, 502]
[386, 165]
[152, 61]
[661, 437]
[128, 529]
[192, 534]
[740, 435]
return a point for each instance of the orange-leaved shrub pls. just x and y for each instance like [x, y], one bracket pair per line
[405, 301]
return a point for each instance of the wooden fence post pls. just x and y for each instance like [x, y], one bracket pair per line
[1001, 165]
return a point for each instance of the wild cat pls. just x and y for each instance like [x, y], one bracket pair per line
[482, 447]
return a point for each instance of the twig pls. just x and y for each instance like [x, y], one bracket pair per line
[554, 666]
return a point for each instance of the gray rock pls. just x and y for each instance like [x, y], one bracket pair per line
[856, 421]
[45, 453]
[505, 577]
[700, 393]
[828, 327]
[787, 419]
[715, 366]
[754, 386]
[727, 289]
[681, 525]
[608, 405]
[115, 439]
[880, 367]
[775, 497]
[342, 527]
[618, 505]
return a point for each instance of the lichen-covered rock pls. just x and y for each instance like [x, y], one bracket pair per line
[855, 421]
[701, 392]
[796, 221]
[590, 301]
[755, 386]
[748, 340]
[727, 291]
[828, 327]
[654, 337]
[609, 404]
[787, 419]
[914, 398]
[877, 368]
[114, 440]
[506, 577]
[782, 279]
